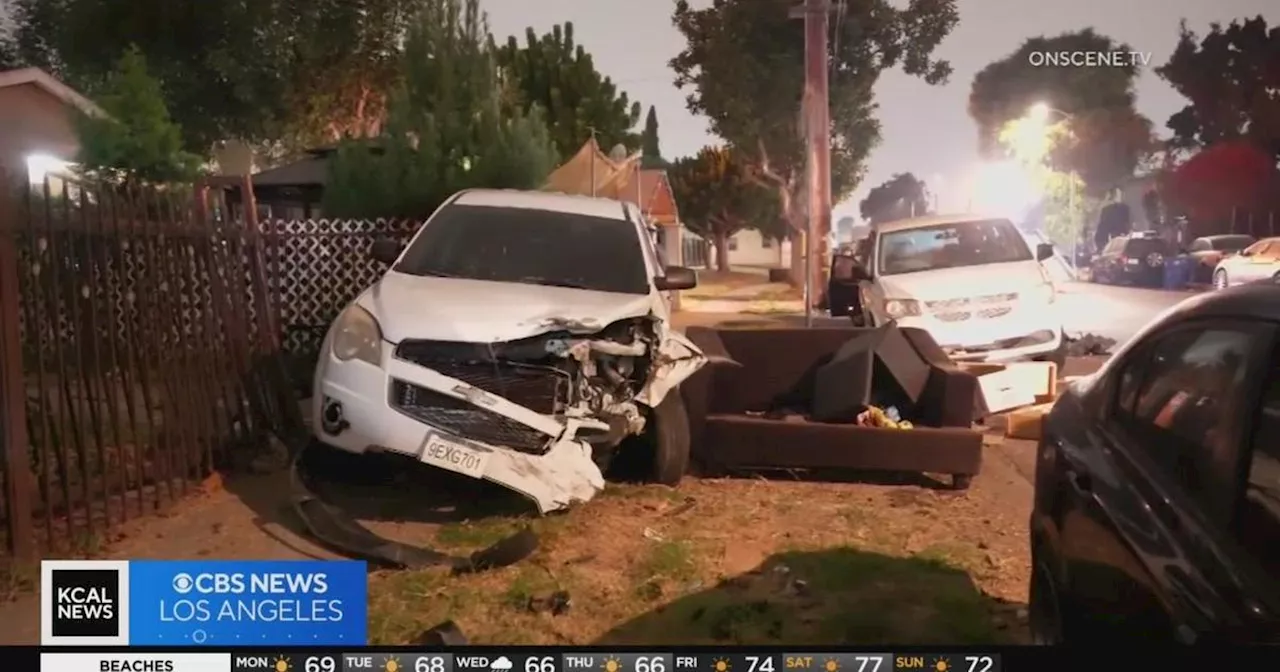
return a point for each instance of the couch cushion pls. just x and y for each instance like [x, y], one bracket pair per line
[778, 366]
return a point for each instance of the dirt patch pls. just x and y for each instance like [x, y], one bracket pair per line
[736, 560]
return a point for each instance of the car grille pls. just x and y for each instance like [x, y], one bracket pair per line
[948, 305]
[954, 317]
[466, 419]
[988, 313]
[543, 389]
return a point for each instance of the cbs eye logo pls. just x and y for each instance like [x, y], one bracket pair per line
[183, 583]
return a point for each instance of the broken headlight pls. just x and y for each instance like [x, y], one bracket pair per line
[356, 335]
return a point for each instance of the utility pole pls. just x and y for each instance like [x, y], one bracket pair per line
[817, 115]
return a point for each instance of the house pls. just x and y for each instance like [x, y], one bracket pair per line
[37, 122]
[293, 190]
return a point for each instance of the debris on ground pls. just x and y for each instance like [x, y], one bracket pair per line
[556, 603]
[1086, 345]
[444, 634]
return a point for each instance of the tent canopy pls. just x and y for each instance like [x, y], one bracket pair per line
[591, 172]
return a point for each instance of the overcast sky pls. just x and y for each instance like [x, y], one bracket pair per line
[926, 129]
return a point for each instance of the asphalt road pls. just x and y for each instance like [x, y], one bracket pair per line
[1113, 311]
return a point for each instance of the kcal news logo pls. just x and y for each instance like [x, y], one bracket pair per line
[84, 602]
[212, 602]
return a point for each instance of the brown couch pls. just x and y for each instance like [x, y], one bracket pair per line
[747, 407]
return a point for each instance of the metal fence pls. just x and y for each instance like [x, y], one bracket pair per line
[139, 347]
[694, 250]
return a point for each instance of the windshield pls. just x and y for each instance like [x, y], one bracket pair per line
[988, 241]
[1233, 243]
[1141, 247]
[538, 247]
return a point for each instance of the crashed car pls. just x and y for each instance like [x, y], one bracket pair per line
[522, 338]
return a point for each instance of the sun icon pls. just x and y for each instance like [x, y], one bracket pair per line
[391, 664]
[611, 665]
[721, 665]
[832, 665]
[282, 664]
[941, 665]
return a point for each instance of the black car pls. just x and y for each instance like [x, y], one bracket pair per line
[1136, 259]
[1157, 495]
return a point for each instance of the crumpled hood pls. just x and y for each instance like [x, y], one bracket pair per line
[479, 311]
[963, 282]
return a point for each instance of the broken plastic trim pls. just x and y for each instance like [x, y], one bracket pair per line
[336, 529]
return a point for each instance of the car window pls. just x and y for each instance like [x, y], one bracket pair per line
[530, 246]
[1141, 247]
[1256, 247]
[952, 245]
[1258, 516]
[1201, 245]
[1179, 397]
[1233, 243]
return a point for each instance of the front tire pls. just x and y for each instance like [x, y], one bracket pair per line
[1043, 610]
[661, 454]
[1220, 280]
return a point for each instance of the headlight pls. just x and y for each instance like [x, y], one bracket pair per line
[356, 335]
[900, 308]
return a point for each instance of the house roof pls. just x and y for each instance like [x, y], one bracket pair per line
[55, 88]
[312, 170]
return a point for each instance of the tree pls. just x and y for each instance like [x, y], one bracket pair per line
[219, 62]
[1107, 137]
[555, 73]
[901, 196]
[1230, 79]
[743, 68]
[717, 198]
[137, 141]
[650, 144]
[1230, 175]
[447, 128]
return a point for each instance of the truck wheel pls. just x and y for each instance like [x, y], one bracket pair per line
[669, 437]
[662, 453]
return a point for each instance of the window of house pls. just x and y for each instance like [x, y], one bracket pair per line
[733, 243]
[1180, 398]
[766, 242]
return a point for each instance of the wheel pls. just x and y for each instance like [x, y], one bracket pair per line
[1220, 279]
[662, 453]
[961, 481]
[1042, 607]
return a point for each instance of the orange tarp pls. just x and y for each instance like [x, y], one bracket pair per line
[592, 172]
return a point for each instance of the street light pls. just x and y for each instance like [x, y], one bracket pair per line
[1040, 113]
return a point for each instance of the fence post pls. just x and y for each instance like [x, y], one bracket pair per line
[14, 441]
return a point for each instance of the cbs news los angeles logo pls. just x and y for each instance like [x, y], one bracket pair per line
[84, 602]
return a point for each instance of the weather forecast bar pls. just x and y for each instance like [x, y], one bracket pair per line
[526, 660]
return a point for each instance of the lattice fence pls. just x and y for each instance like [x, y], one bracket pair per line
[315, 267]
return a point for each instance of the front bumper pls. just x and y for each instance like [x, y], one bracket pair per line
[1019, 334]
[369, 418]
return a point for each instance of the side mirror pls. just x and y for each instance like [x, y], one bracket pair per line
[677, 277]
[1044, 251]
[386, 250]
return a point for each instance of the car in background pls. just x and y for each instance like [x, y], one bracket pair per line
[1133, 259]
[1209, 250]
[1258, 261]
[971, 281]
[1156, 514]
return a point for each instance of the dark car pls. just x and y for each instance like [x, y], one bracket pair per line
[1209, 250]
[1157, 497]
[1137, 259]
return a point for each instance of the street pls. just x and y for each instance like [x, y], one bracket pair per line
[1112, 311]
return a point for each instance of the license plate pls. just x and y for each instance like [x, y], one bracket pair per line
[454, 456]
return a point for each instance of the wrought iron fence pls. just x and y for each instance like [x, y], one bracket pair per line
[134, 328]
[694, 250]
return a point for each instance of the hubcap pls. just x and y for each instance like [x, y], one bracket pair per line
[1220, 280]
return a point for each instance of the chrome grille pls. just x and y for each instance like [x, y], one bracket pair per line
[947, 305]
[954, 317]
[989, 313]
[466, 419]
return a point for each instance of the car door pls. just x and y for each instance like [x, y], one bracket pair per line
[1154, 474]
[1252, 263]
[870, 293]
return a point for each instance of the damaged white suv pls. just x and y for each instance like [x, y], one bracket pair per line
[520, 337]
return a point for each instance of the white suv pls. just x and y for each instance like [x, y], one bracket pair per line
[520, 337]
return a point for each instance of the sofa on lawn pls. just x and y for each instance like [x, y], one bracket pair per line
[789, 398]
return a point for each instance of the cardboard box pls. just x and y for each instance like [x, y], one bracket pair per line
[1027, 423]
[1007, 386]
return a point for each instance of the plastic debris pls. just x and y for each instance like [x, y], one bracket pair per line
[878, 417]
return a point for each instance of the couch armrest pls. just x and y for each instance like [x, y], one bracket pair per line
[950, 398]
[699, 389]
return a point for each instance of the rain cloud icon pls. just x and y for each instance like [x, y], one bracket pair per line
[502, 663]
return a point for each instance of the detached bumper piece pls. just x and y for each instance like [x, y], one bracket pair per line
[340, 531]
[466, 419]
